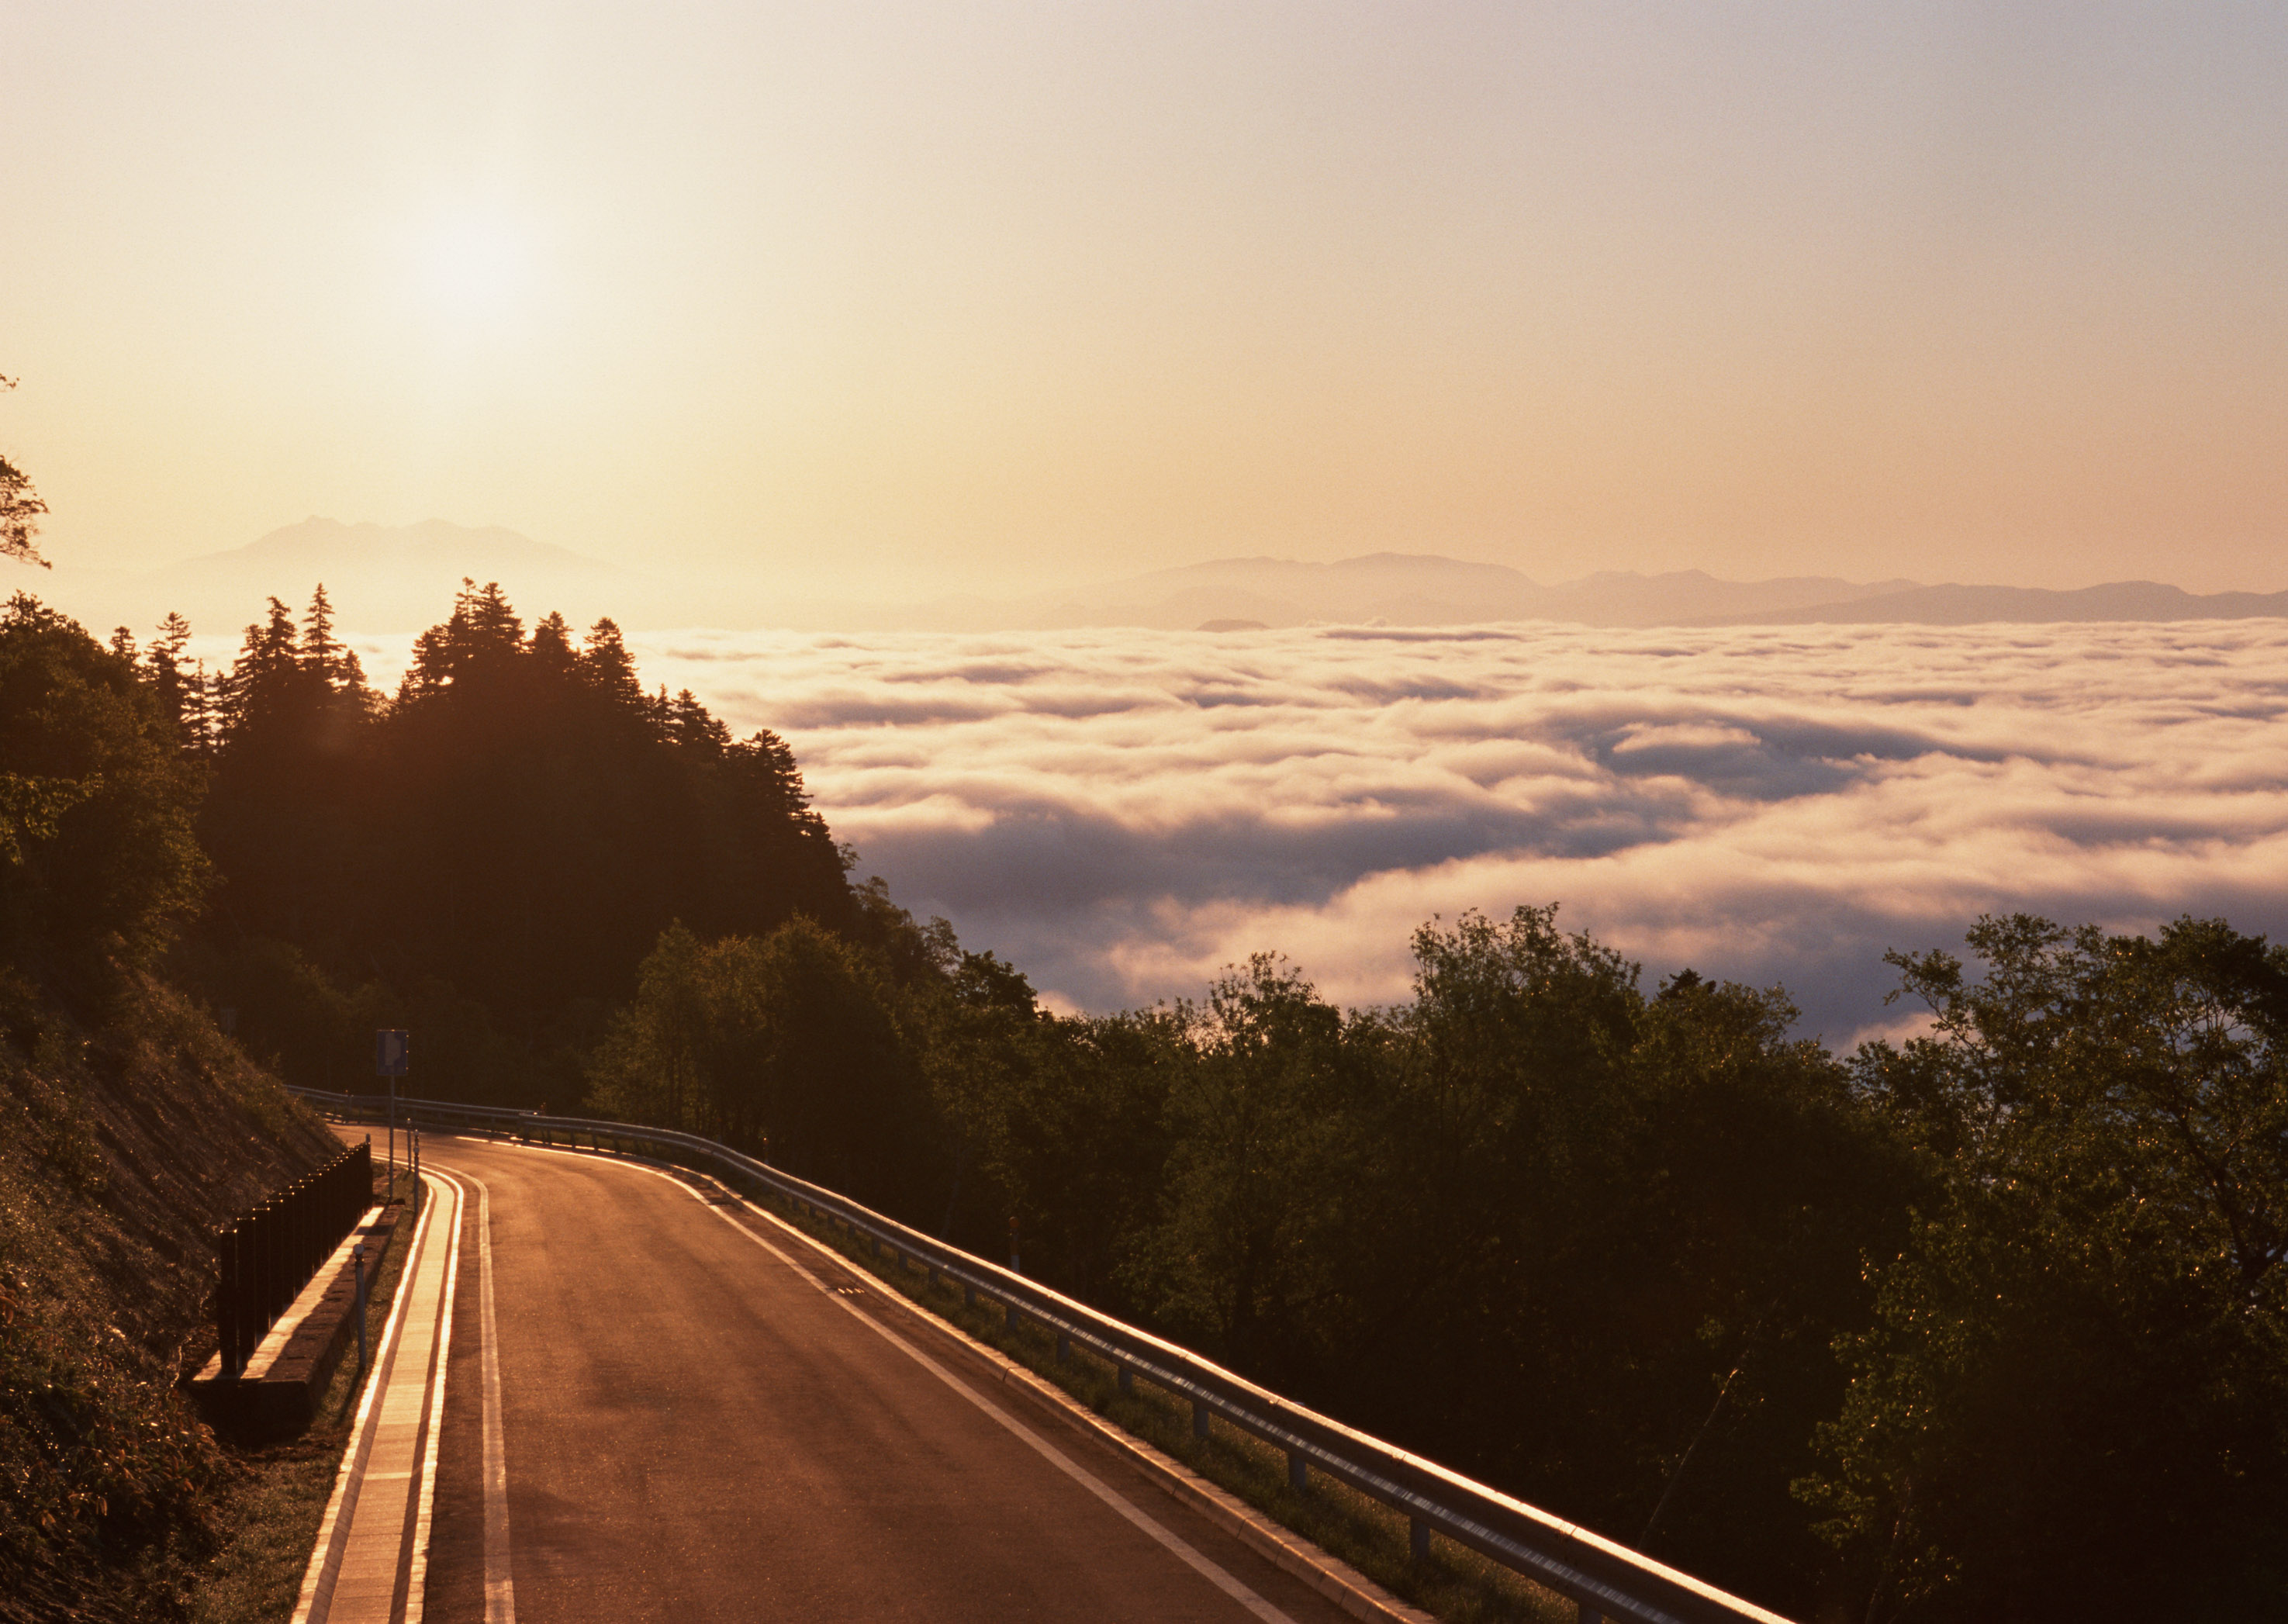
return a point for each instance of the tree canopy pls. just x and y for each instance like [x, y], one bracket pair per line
[99, 860]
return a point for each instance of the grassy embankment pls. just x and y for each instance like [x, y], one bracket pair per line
[126, 1139]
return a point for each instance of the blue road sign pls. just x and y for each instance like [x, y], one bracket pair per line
[389, 1054]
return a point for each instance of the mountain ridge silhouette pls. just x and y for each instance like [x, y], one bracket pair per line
[395, 578]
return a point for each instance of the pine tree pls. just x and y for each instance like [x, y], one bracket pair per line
[331, 659]
[268, 677]
[550, 648]
[606, 667]
[690, 725]
[200, 707]
[318, 643]
[481, 642]
[163, 661]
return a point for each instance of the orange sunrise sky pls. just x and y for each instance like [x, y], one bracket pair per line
[876, 300]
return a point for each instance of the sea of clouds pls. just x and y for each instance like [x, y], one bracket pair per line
[1122, 813]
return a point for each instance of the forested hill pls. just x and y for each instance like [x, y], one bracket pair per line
[483, 857]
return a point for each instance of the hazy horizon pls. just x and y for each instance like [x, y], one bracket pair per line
[397, 579]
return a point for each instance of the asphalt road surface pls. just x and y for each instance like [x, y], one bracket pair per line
[697, 1426]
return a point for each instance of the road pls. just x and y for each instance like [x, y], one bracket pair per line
[702, 1417]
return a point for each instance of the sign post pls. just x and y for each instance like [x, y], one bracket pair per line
[389, 1051]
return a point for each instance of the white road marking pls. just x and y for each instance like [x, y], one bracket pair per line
[416, 1588]
[325, 1557]
[1205, 1566]
[500, 1588]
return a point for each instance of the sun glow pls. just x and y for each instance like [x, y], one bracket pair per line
[474, 266]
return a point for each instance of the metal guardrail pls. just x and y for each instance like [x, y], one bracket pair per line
[1605, 1579]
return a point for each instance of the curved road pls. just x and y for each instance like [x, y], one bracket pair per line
[705, 1417]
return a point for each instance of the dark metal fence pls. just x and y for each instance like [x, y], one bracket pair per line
[1604, 1579]
[266, 1258]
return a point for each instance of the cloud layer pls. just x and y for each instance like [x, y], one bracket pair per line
[1124, 813]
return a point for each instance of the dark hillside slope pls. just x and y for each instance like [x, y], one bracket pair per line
[122, 1148]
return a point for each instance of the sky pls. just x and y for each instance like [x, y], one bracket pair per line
[880, 300]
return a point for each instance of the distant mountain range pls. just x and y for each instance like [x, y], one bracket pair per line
[1964, 605]
[1414, 589]
[385, 579]
[1419, 590]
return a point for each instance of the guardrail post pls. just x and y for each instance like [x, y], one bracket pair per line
[1586, 1615]
[968, 1295]
[1417, 1539]
[1199, 1418]
[1298, 1471]
[1009, 1316]
[1064, 1348]
[1127, 1381]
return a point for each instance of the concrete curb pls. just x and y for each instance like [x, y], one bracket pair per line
[341, 1507]
[277, 1396]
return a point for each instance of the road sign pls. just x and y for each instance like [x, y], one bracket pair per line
[389, 1054]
